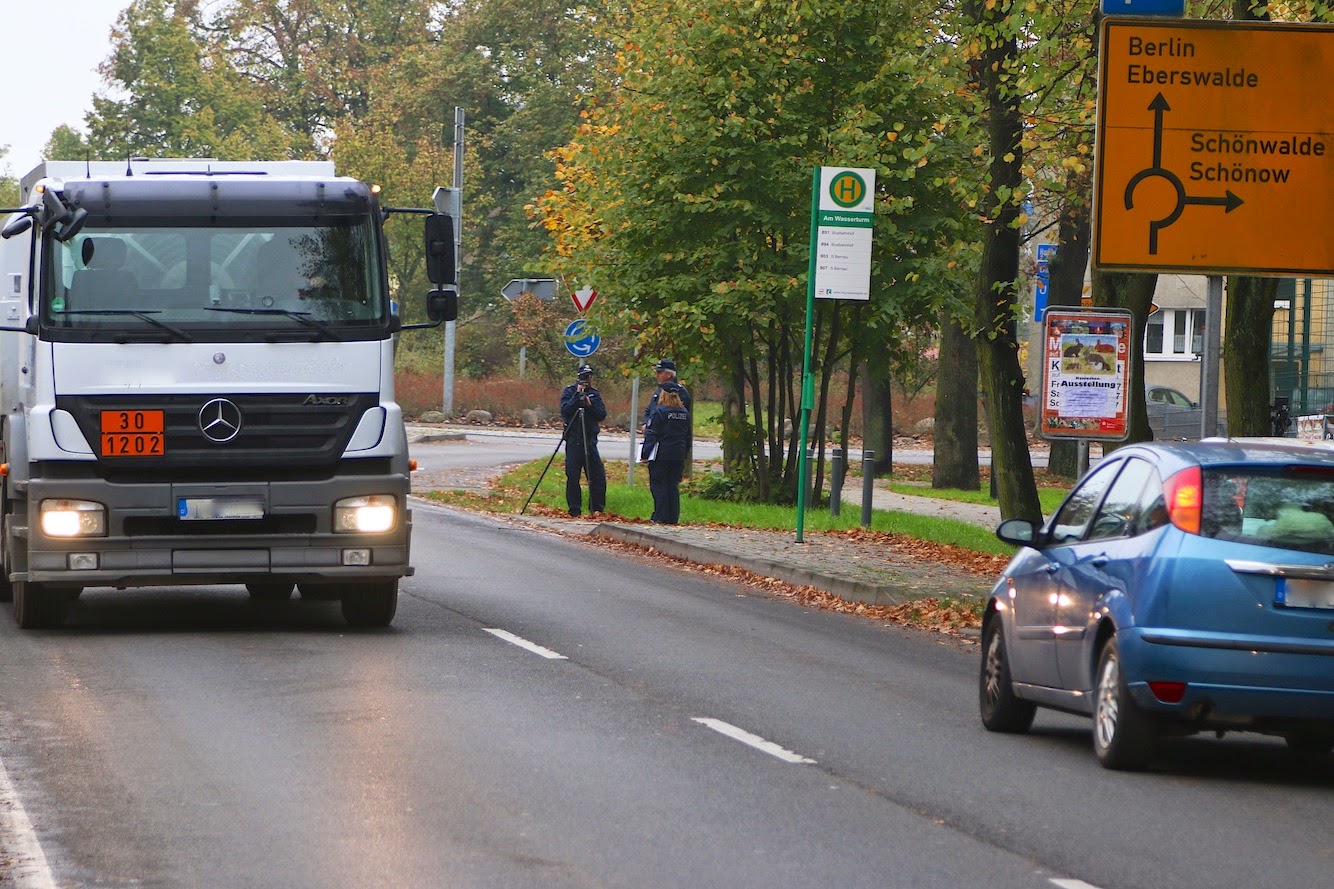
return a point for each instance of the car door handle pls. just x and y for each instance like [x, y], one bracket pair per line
[1100, 561]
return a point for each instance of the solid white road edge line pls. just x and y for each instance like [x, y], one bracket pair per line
[524, 643]
[1072, 884]
[31, 870]
[755, 741]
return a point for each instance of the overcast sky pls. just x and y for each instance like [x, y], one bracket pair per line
[52, 50]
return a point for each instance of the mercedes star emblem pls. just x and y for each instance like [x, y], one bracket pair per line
[220, 420]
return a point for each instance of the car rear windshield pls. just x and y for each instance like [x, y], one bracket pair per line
[1291, 508]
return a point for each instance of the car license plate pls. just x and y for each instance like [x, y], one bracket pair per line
[1297, 592]
[133, 434]
[215, 508]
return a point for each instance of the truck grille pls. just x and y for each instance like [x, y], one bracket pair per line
[289, 430]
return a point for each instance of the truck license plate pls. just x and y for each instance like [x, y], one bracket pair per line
[133, 434]
[214, 508]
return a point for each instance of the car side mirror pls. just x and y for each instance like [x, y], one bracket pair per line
[441, 265]
[1019, 532]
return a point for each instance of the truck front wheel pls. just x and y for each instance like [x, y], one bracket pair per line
[36, 606]
[370, 604]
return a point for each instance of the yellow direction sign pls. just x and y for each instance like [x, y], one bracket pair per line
[1215, 147]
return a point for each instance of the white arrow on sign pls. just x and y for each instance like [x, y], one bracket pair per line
[583, 297]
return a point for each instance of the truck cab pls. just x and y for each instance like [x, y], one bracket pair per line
[196, 386]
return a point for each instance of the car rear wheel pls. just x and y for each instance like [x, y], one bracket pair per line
[370, 604]
[1124, 736]
[1002, 710]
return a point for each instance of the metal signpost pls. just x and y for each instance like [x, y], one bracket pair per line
[842, 220]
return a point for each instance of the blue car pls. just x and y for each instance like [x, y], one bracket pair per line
[1179, 588]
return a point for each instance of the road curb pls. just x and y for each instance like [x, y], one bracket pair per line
[852, 590]
[432, 437]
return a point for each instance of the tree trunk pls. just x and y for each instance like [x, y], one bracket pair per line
[1249, 325]
[878, 416]
[737, 442]
[994, 296]
[1066, 288]
[1132, 291]
[955, 462]
[1246, 344]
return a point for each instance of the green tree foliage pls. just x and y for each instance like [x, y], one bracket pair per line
[177, 95]
[685, 197]
[9, 186]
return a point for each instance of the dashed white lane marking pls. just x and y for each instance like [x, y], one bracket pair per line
[524, 643]
[31, 870]
[755, 741]
[1072, 884]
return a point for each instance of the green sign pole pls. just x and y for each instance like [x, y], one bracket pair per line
[807, 382]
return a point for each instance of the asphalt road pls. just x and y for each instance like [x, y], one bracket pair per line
[191, 738]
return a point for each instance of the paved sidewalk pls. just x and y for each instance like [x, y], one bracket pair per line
[853, 569]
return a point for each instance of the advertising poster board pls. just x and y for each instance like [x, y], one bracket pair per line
[1086, 374]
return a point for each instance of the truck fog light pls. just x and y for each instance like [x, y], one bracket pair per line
[73, 518]
[356, 557]
[372, 514]
[82, 561]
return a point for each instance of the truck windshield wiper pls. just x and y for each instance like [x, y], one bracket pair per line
[172, 329]
[303, 317]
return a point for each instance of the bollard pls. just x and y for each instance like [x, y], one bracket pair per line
[868, 485]
[810, 478]
[835, 481]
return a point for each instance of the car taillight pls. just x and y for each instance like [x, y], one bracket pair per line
[1168, 692]
[1185, 498]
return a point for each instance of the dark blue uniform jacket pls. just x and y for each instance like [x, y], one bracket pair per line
[594, 413]
[667, 430]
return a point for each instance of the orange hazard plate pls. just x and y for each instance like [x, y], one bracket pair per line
[133, 434]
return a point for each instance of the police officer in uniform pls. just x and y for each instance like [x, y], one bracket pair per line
[665, 449]
[582, 410]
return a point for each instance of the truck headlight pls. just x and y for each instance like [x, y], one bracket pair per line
[73, 518]
[372, 514]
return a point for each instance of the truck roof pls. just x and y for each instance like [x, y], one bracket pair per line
[183, 166]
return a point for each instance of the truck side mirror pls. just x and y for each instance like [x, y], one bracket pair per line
[442, 305]
[16, 226]
[441, 267]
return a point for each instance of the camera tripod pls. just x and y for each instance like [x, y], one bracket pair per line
[578, 415]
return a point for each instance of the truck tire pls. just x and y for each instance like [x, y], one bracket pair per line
[370, 604]
[37, 607]
[6, 587]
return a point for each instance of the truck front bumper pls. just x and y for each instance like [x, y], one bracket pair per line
[153, 539]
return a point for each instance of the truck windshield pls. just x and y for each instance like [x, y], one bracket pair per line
[297, 282]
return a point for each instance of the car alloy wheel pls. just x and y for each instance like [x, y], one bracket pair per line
[1002, 710]
[1123, 735]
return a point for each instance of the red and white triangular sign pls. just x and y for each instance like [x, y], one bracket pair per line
[583, 297]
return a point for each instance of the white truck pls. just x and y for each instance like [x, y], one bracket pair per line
[197, 387]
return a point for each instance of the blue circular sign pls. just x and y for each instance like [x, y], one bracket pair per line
[578, 343]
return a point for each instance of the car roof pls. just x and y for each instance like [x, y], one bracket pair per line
[1232, 451]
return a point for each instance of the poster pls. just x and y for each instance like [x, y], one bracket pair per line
[1086, 374]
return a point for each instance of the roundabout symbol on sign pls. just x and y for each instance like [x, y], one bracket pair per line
[579, 343]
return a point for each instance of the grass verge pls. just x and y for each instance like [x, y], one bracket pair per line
[626, 502]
